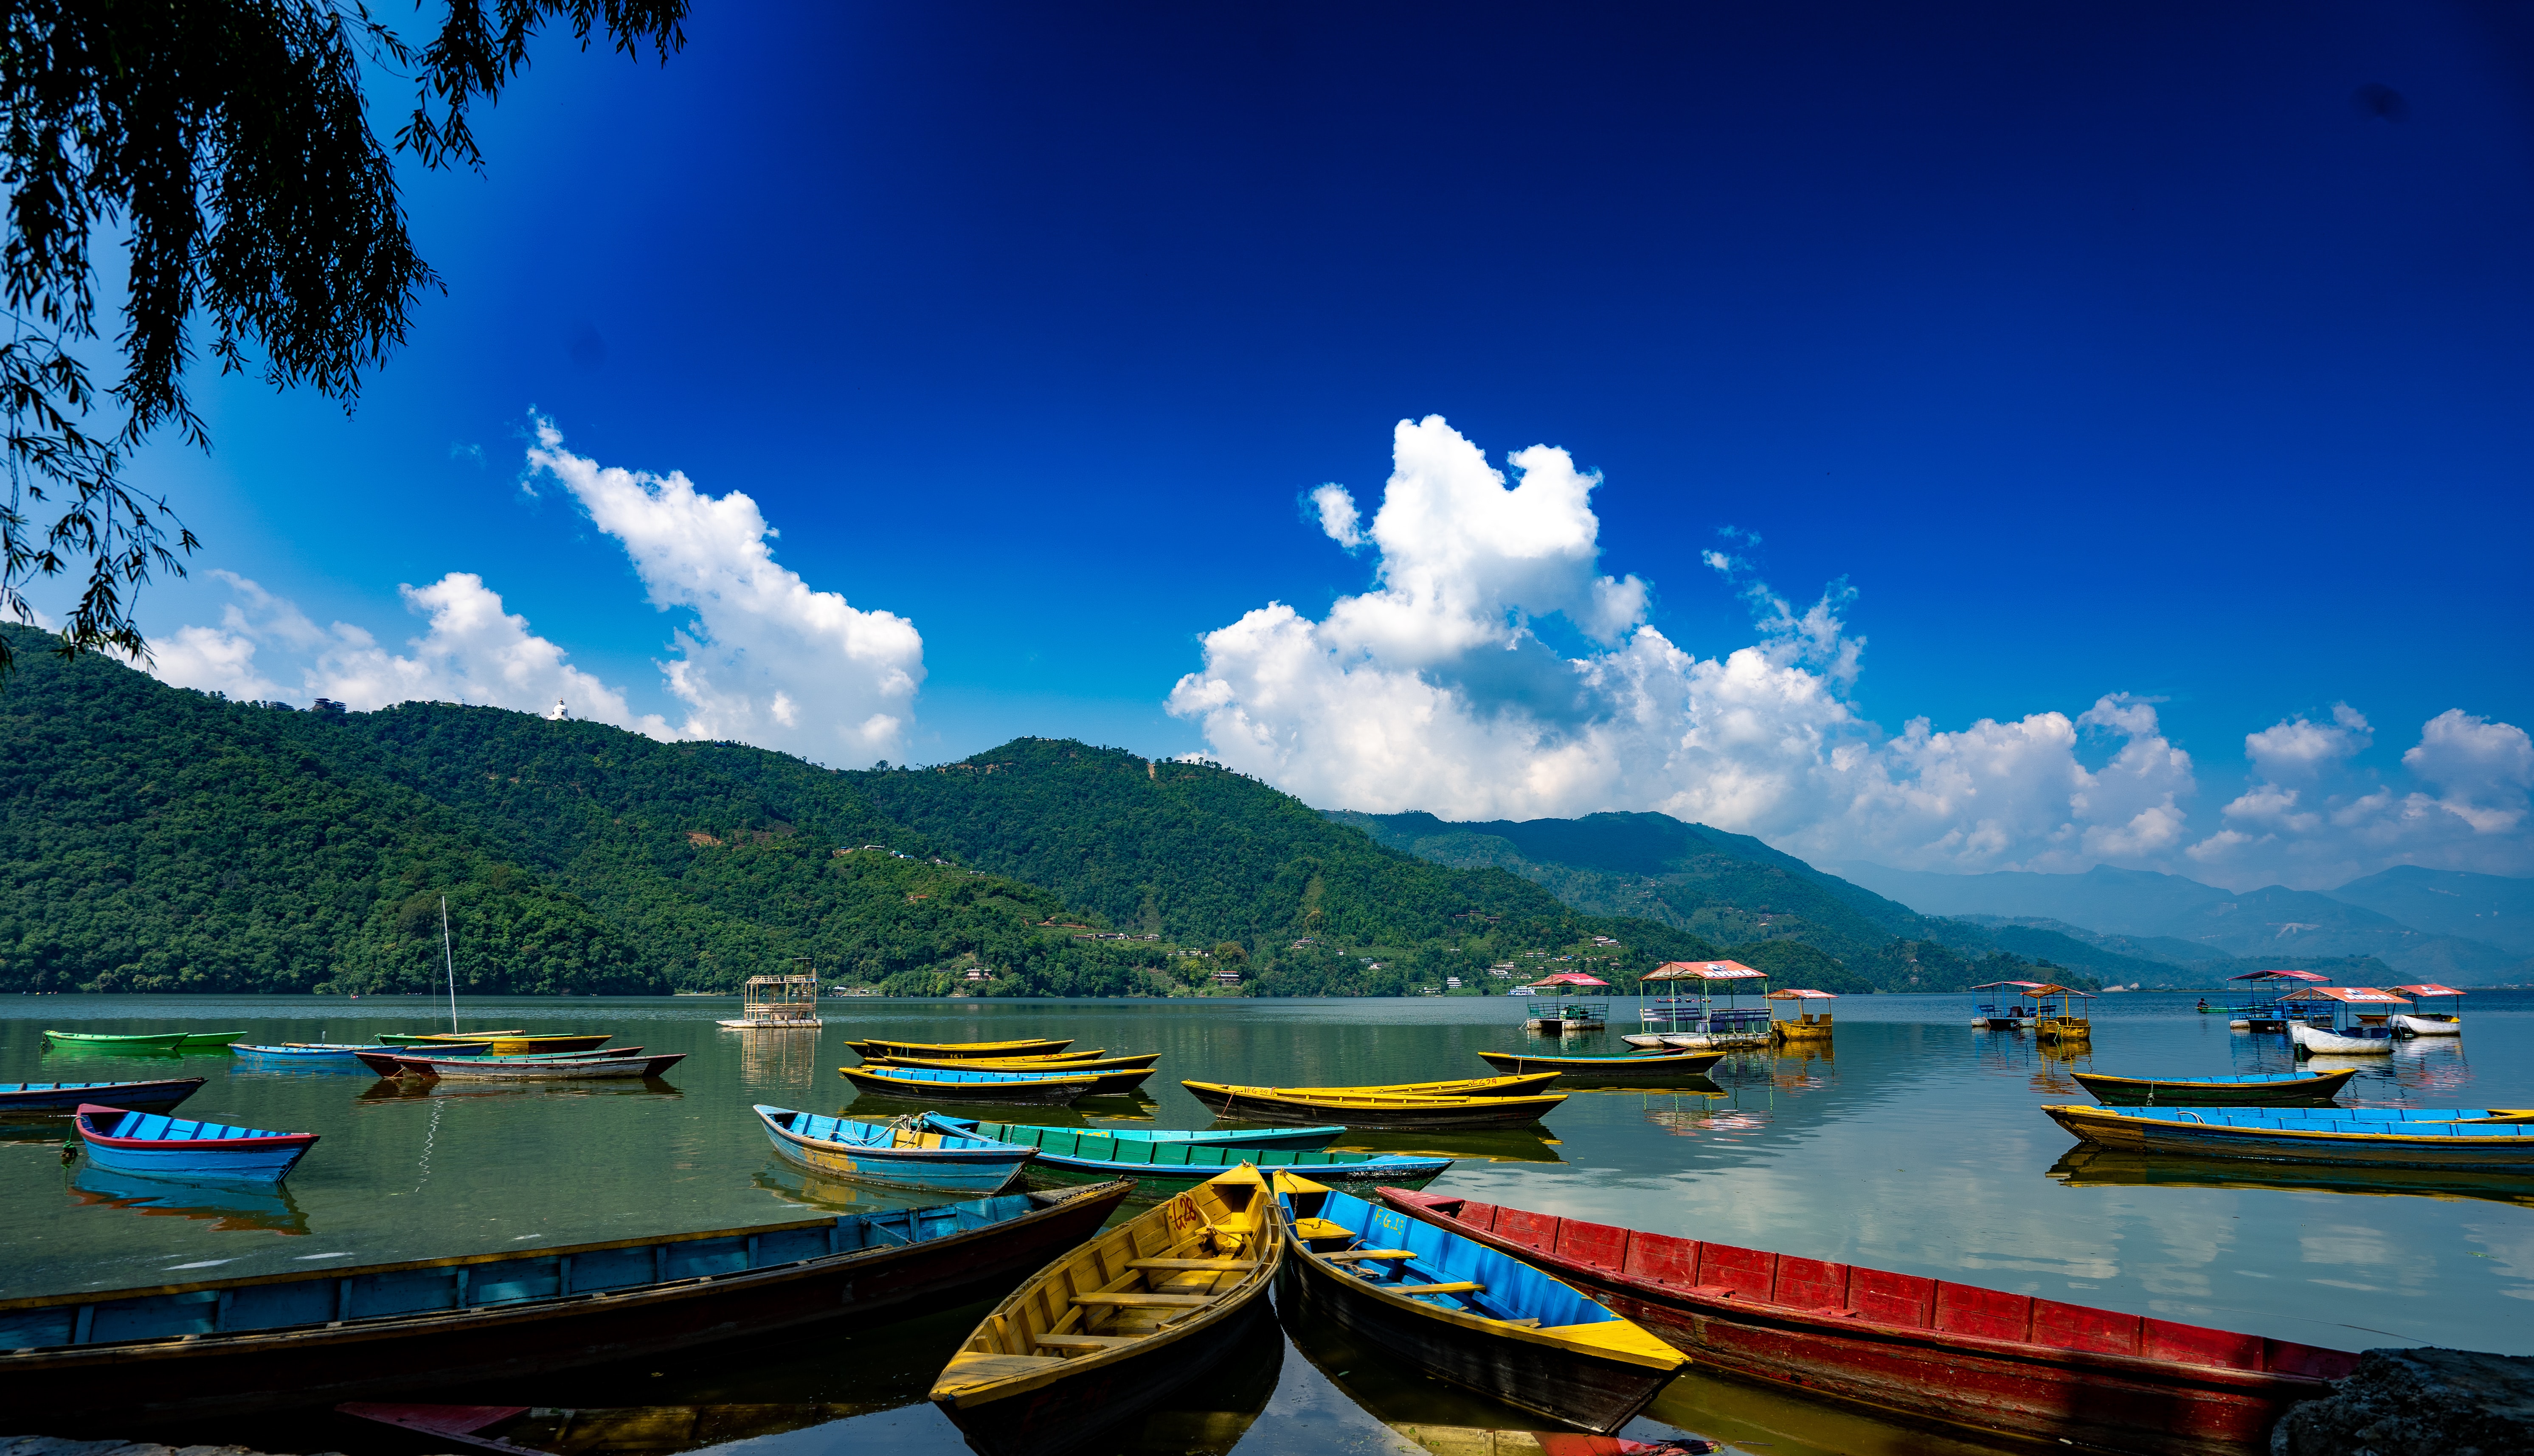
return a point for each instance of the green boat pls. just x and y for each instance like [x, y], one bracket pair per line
[90, 1041]
[208, 1039]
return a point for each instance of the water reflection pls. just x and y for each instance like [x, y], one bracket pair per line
[785, 1057]
[2085, 1166]
[228, 1207]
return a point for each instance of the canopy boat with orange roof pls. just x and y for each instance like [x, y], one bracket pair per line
[1992, 1017]
[2429, 1023]
[2343, 1020]
[1801, 1023]
[2058, 1018]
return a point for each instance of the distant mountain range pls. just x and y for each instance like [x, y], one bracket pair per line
[1732, 887]
[2433, 924]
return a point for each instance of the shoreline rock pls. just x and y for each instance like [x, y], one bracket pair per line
[2424, 1402]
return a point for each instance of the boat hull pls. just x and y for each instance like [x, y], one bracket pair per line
[1028, 1088]
[2114, 1091]
[959, 1051]
[505, 1046]
[259, 1157]
[1075, 1156]
[2314, 1039]
[1067, 1065]
[982, 1171]
[2431, 1025]
[2499, 1149]
[1720, 1306]
[87, 1041]
[493, 1068]
[1659, 1067]
[61, 1098]
[1299, 1140]
[755, 1285]
[1266, 1105]
[1600, 1394]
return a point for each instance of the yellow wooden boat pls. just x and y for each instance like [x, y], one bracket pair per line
[1522, 1084]
[1119, 1323]
[506, 1043]
[1361, 1109]
[963, 1050]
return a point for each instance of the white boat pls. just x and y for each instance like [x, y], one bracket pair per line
[1712, 1041]
[2315, 1041]
[1647, 1041]
[2432, 1024]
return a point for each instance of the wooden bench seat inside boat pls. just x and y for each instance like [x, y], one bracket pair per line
[1349, 1256]
[1207, 1264]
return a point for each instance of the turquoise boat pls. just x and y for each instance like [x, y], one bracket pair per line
[889, 1156]
[1086, 1155]
[314, 1056]
[160, 1146]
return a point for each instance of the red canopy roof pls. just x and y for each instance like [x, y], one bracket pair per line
[2429, 988]
[1703, 970]
[2355, 995]
[1570, 978]
[2278, 976]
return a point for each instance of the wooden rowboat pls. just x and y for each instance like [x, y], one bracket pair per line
[505, 1043]
[162, 1146]
[408, 1038]
[1467, 1313]
[525, 1069]
[2255, 1089]
[1105, 1080]
[889, 1156]
[322, 1056]
[1522, 1085]
[1926, 1350]
[961, 1051]
[106, 1359]
[1119, 1323]
[924, 1084]
[90, 1041]
[18, 1099]
[1068, 1156]
[1660, 1066]
[2489, 1138]
[1068, 1063]
[1370, 1109]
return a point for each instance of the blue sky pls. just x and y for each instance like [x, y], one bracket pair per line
[2100, 350]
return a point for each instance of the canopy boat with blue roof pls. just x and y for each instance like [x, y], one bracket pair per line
[18, 1099]
[2387, 1137]
[1088, 1155]
[926, 1084]
[2251, 1089]
[895, 1154]
[167, 1147]
[1467, 1314]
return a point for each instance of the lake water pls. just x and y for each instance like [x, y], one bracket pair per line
[1913, 1144]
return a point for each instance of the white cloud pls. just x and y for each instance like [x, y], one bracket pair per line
[766, 659]
[471, 651]
[1437, 690]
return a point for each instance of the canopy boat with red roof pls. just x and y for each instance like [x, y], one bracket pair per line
[2342, 1020]
[1925, 1350]
[1684, 1016]
[1992, 1017]
[2261, 1009]
[2429, 1023]
[1564, 1016]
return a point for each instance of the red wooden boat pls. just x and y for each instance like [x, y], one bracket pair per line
[1929, 1351]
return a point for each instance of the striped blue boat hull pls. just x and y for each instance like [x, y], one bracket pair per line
[971, 1166]
[156, 1146]
[269, 1164]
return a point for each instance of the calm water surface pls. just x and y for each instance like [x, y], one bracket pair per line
[1914, 1145]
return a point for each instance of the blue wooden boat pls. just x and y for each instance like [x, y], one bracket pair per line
[2250, 1090]
[189, 1350]
[1300, 1139]
[62, 1098]
[164, 1147]
[1473, 1315]
[924, 1084]
[1089, 1155]
[340, 1055]
[892, 1156]
[2498, 1138]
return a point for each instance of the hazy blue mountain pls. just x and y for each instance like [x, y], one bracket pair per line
[2140, 913]
[2451, 902]
[2118, 902]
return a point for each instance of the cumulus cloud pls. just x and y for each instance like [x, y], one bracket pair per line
[1437, 689]
[764, 659]
[471, 652]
